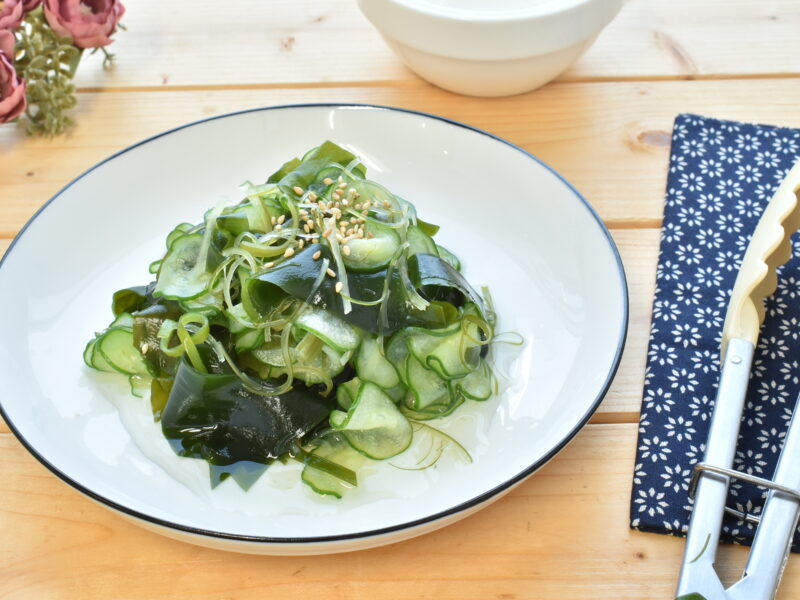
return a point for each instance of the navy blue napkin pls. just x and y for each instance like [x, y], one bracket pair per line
[721, 176]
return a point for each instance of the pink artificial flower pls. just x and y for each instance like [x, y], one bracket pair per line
[10, 14]
[12, 87]
[29, 5]
[90, 23]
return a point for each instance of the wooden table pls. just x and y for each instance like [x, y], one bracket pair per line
[605, 125]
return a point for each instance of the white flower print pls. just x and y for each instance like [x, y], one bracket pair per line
[711, 137]
[677, 163]
[692, 182]
[685, 335]
[709, 238]
[659, 399]
[764, 192]
[664, 310]
[701, 407]
[772, 439]
[747, 142]
[711, 168]
[654, 448]
[708, 316]
[773, 392]
[773, 347]
[676, 477]
[683, 380]
[791, 372]
[790, 328]
[728, 260]
[729, 155]
[662, 354]
[729, 188]
[729, 223]
[668, 270]
[651, 502]
[693, 148]
[690, 216]
[748, 173]
[785, 145]
[706, 361]
[748, 207]
[672, 232]
[710, 203]
[767, 159]
[689, 254]
[708, 276]
[679, 428]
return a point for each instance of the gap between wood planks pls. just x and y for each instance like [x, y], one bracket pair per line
[410, 83]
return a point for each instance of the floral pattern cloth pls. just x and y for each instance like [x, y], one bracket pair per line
[721, 176]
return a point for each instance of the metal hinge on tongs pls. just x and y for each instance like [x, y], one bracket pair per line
[769, 248]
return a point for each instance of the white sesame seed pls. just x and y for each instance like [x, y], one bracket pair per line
[281, 219]
[269, 265]
[327, 181]
[342, 185]
[346, 250]
[274, 220]
[312, 196]
[301, 243]
[145, 348]
[298, 190]
[336, 196]
[338, 287]
[327, 233]
[289, 253]
[331, 273]
[278, 227]
[317, 254]
[306, 229]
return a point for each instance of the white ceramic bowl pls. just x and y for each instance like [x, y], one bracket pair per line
[519, 228]
[489, 47]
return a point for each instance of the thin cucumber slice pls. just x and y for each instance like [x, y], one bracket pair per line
[88, 352]
[116, 347]
[477, 385]
[427, 388]
[434, 411]
[451, 356]
[187, 267]
[397, 352]
[419, 242]
[328, 327]
[235, 324]
[448, 257]
[373, 425]
[124, 320]
[180, 230]
[249, 340]
[333, 448]
[372, 365]
[372, 253]
[347, 392]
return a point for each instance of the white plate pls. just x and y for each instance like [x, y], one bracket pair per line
[517, 225]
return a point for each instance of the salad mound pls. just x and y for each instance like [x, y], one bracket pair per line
[316, 320]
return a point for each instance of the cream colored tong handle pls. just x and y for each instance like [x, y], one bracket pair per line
[769, 248]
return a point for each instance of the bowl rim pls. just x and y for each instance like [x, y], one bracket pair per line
[545, 8]
[430, 519]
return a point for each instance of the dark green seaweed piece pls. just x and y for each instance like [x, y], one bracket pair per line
[430, 275]
[303, 172]
[214, 417]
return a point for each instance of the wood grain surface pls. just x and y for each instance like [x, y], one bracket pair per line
[605, 125]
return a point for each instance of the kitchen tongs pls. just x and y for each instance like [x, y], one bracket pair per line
[769, 248]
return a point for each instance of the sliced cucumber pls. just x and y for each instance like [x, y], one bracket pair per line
[116, 348]
[426, 387]
[373, 425]
[419, 242]
[248, 340]
[451, 355]
[477, 385]
[372, 253]
[448, 257]
[187, 267]
[397, 352]
[88, 352]
[347, 392]
[333, 448]
[123, 320]
[372, 365]
[328, 327]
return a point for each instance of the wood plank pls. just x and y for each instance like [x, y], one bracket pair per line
[561, 534]
[610, 140]
[279, 43]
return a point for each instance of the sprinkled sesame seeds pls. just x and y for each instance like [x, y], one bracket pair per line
[300, 244]
[331, 273]
[312, 196]
[327, 181]
[278, 227]
[327, 233]
[281, 219]
[306, 229]
[338, 287]
[387, 204]
[274, 220]
[289, 253]
[298, 190]
[145, 348]
[317, 254]
[346, 250]
[269, 265]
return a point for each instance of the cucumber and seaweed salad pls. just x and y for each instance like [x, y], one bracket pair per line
[316, 320]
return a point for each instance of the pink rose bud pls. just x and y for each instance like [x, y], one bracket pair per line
[29, 5]
[12, 87]
[90, 23]
[10, 14]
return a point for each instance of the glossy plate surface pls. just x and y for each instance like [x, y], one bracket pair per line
[518, 227]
